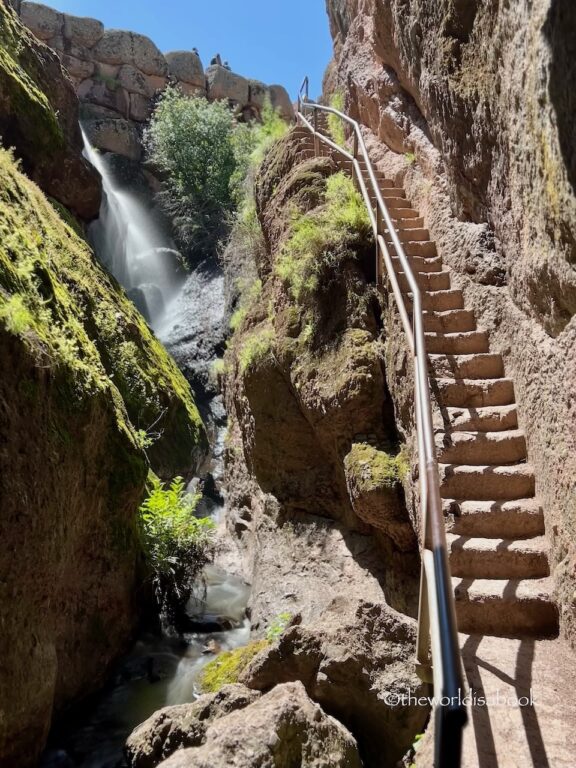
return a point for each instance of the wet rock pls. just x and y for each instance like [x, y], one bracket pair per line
[182, 726]
[355, 660]
[118, 136]
[186, 67]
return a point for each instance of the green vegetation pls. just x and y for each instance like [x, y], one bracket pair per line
[76, 322]
[410, 157]
[256, 347]
[177, 545]
[206, 157]
[335, 124]
[375, 468]
[277, 626]
[249, 295]
[227, 667]
[316, 237]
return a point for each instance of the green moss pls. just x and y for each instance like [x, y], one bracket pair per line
[256, 347]
[228, 666]
[19, 85]
[374, 469]
[249, 295]
[335, 124]
[76, 321]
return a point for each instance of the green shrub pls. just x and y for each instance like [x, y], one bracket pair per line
[277, 626]
[316, 236]
[335, 124]
[227, 667]
[256, 347]
[176, 543]
[249, 295]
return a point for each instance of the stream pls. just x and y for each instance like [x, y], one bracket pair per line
[186, 311]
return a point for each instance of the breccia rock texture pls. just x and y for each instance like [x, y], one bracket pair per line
[124, 72]
[469, 106]
[236, 727]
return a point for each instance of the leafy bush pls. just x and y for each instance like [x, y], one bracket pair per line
[190, 140]
[176, 543]
[278, 625]
[315, 236]
[335, 124]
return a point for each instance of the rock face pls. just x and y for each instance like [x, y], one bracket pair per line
[82, 374]
[39, 116]
[356, 660]
[479, 96]
[282, 729]
[124, 72]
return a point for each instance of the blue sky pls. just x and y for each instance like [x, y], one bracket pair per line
[277, 41]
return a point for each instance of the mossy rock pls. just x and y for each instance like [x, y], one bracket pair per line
[374, 469]
[227, 667]
[75, 318]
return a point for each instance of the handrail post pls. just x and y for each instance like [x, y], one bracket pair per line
[316, 141]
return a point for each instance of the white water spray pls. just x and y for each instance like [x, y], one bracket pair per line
[132, 247]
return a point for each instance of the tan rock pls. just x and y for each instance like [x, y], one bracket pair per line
[117, 136]
[186, 67]
[280, 730]
[119, 47]
[258, 93]
[225, 85]
[140, 107]
[82, 31]
[78, 68]
[135, 81]
[43, 21]
[281, 101]
[105, 92]
[191, 90]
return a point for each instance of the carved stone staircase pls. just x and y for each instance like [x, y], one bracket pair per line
[495, 524]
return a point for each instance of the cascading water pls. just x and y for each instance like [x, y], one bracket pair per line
[133, 248]
[186, 311]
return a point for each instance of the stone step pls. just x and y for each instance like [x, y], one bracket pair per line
[419, 264]
[506, 607]
[492, 418]
[484, 365]
[517, 519]
[481, 448]
[425, 249]
[392, 193]
[481, 558]
[411, 235]
[466, 343]
[438, 301]
[402, 214]
[474, 393]
[485, 483]
[432, 281]
[417, 222]
[395, 203]
[452, 321]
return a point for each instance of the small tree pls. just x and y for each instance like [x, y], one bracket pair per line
[190, 140]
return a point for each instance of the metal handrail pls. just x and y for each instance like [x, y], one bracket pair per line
[437, 630]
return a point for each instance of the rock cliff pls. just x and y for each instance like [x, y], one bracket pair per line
[82, 380]
[118, 75]
[467, 105]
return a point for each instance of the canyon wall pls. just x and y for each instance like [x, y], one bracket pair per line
[82, 379]
[118, 76]
[470, 105]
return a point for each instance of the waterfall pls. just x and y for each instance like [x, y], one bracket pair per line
[131, 245]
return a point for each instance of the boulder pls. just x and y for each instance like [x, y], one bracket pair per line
[186, 67]
[135, 81]
[43, 21]
[79, 69]
[182, 726]
[223, 84]
[356, 660]
[105, 92]
[83, 31]
[258, 93]
[281, 101]
[374, 479]
[192, 90]
[282, 729]
[119, 47]
[118, 136]
[140, 108]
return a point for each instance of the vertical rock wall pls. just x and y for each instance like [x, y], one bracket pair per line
[470, 105]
